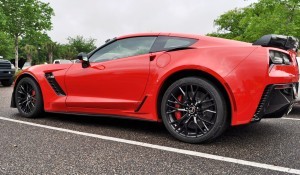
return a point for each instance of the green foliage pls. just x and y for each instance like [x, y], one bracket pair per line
[38, 40]
[258, 19]
[75, 45]
[22, 30]
[30, 50]
[23, 17]
[66, 51]
[6, 46]
[81, 44]
[50, 47]
[2, 19]
[35, 38]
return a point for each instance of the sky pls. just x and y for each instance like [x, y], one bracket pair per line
[104, 19]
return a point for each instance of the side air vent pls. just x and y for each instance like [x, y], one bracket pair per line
[53, 83]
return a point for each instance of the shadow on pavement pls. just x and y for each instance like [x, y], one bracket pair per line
[246, 134]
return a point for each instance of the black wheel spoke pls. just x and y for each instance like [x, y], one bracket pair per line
[206, 101]
[192, 92]
[177, 101]
[207, 107]
[177, 109]
[178, 122]
[201, 99]
[183, 93]
[207, 110]
[204, 120]
[205, 126]
[198, 127]
[196, 91]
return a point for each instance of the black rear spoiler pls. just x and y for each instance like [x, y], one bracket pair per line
[278, 41]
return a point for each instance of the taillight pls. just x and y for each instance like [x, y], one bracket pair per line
[277, 57]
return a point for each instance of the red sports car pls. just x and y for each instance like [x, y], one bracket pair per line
[196, 85]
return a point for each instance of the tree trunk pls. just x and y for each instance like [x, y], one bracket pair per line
[16, 51]
[29, 58]
[50, 55]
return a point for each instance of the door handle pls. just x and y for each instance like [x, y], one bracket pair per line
[99, 67]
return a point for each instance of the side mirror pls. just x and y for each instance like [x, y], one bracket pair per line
[84, 59]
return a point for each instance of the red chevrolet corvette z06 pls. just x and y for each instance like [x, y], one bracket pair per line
[196, 85]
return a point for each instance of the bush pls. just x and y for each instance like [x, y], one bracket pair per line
[17, 73]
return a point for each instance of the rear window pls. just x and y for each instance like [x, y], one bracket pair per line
[168, 42]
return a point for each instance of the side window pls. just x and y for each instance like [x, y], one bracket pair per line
[168, 42]
[123, 48]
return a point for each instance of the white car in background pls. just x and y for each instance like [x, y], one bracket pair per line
[26, 65]
[62, 62]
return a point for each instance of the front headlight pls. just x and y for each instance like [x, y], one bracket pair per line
[13, 66]
[277, 57]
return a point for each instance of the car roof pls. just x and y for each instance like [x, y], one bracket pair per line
[208, 40]
[160, 34]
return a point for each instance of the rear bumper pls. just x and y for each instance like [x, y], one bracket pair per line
[277, 100]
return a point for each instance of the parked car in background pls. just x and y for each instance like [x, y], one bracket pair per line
[26, 65]
[7, 72]
[76, 61]
[62, 62]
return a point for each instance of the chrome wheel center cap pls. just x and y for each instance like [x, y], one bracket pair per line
[192, 110]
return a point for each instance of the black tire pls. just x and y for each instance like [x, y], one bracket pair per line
[6, 83]
[194, 110]
[28, 93]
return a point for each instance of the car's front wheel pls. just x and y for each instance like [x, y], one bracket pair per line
[28, 98]
[194, 110]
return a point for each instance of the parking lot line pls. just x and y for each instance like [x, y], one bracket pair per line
[286, 118]
[164, 148]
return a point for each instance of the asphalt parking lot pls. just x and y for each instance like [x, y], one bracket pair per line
[69, 144]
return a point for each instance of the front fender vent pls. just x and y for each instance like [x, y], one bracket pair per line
[55, 86]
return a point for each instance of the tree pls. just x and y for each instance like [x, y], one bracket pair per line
[258, 19]
[2, 19]
[6, 46]
[29, 50]
[81, 44]
[50, 47]
[66, 52]
[24, 16]
[37, 39]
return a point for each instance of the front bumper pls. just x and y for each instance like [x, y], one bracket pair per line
[6, 74]
[277, 100]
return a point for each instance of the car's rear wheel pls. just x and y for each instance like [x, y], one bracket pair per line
[28, 98]
[6, 83]
[194, 110]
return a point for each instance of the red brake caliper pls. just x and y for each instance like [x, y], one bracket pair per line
[33, 93]
[178, 114]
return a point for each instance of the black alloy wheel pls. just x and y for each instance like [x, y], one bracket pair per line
[194, 110]
[28, 98]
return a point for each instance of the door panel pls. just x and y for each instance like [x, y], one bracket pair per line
[115, 84]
